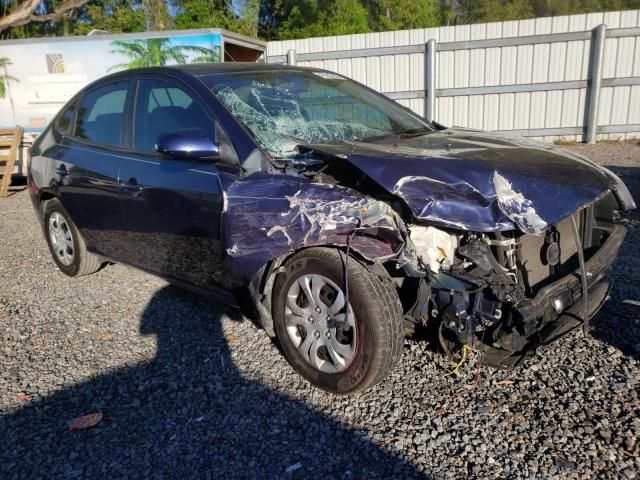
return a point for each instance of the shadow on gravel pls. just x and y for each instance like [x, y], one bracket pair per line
[188, 413]
[618, 323]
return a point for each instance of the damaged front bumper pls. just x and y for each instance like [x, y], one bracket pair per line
[557, 308]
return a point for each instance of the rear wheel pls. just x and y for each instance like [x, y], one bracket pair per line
[67, 246]
[339, 347]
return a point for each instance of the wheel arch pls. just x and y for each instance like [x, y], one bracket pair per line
[44, 197]
[39, 201]
[262, 283]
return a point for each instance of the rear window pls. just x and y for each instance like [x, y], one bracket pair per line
[101, 114]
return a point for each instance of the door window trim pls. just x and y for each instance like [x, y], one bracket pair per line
[67, 132]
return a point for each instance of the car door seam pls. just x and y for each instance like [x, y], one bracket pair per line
[109, 154]
[202, 171]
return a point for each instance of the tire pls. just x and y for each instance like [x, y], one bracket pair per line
[66, 245]
[350, 353]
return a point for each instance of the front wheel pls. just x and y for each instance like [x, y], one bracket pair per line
[337, 347]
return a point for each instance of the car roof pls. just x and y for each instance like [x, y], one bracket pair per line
[197, 70]
[202, 69]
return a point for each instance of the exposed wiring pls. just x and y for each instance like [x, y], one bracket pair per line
[479, 354]
[462, 360]
[470, 362]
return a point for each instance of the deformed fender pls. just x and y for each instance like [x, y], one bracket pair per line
[266, 216]
[262, 283]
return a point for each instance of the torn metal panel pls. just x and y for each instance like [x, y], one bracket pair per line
[456, 205]
[477, 181]
[515, 206]
[268, 215]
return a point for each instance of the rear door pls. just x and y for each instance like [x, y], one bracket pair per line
[172, 207]
[87, 160]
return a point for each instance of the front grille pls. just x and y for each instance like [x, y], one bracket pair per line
[532, 248]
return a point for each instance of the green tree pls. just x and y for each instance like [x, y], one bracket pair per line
[241, 16]
[4, 76]
[279, 19]
[341, 17]
[209, 55]
[156, 15]
[273, 19]
[406, 14]
[153, 52]
[18, 13]
[203, 14]
[248, 17]
[478, 11]
[284, 19]
[570, 7]
[504, 10]
[113, 16]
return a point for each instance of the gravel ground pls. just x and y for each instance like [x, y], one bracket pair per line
[188, 389]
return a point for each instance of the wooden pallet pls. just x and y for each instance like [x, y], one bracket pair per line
[10, 139]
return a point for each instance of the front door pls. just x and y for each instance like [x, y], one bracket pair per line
[172, 207]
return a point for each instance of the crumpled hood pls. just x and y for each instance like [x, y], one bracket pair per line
[482, 182]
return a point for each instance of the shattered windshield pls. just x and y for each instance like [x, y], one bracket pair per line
[286, 108]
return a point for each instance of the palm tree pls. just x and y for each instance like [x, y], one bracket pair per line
[4, 76]
[210, 55]
[153, 52]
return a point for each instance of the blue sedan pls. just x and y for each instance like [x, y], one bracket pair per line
[347, 220]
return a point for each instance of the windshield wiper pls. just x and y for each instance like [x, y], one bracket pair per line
[414, 132]
[298, 140]
[408, 133]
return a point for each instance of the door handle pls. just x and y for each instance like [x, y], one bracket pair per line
[62, 170]
[132, 187]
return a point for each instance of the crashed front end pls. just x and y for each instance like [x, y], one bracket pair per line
[506, 293]
[501, 243]
[508, 241]
[523, 282]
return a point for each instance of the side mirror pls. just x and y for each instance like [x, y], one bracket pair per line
[188, 143]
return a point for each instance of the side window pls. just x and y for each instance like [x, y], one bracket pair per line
[164, 107]
[64, 120]
[101, 114]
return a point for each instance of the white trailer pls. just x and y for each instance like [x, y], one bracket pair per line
[42, 74]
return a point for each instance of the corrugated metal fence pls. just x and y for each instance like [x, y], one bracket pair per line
[543, 78]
